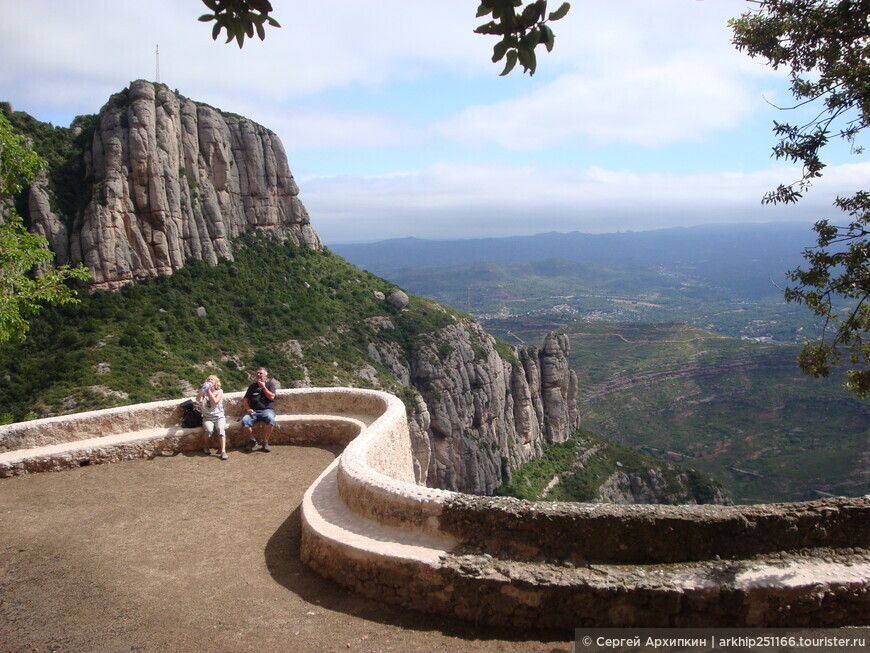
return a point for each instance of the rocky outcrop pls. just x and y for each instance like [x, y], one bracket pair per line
[479, 415]
[172, 180]
[654, 486]
[44, 220]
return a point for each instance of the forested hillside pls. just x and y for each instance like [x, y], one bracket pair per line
[158, 338]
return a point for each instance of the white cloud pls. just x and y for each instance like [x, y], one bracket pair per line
[634, 73]
[455, 201]
[616, 82]
[646, 105]
[56, 45]
[637, 72]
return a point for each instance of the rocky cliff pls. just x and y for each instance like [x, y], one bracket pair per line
[171, 179]
[479, 414]
[660, 485]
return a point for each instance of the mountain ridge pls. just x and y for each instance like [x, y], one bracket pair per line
[165, 179]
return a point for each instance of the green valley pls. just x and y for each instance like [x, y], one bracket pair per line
[738, 410]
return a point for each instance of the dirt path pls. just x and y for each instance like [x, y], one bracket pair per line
[194, 554]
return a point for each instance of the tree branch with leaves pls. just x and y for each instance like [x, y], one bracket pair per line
[240, 18]
[27, 281]
[825, 45]
[522, 26]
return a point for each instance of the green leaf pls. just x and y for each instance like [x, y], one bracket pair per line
[205, 18]
[528, 59]
[499, 50]
[510, 63]
[531, 39]
[491, 27]
[531, 14]
[548, 38]
[560, 12]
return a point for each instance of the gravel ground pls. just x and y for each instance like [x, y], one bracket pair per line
[191, 553]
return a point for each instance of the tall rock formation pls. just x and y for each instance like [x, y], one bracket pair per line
[171, 180]
[479, 415]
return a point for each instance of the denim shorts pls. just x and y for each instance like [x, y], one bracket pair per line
[266, 415]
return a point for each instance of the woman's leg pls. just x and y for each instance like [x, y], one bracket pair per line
[222, 436]
[207, 429]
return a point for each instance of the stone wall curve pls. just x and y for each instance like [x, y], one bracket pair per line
[367, 525]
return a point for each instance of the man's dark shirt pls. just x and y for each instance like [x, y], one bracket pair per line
[256, 399]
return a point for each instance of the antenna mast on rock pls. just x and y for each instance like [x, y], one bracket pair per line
[157, 55]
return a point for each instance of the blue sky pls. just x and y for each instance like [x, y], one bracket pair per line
[397, 124]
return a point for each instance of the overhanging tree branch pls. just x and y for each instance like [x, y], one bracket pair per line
[826, 45]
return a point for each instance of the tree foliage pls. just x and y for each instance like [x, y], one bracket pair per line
[522, 26]
[23, 293]
[240, 18]
[825, 45]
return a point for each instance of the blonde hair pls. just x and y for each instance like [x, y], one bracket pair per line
[215, 382]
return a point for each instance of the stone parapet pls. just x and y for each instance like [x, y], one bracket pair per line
[154, 429]
[369, 527]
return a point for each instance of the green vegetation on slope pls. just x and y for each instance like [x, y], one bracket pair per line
[147, 341]
[576, 470]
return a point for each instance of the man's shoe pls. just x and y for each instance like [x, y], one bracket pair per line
[265, 447]
[224, 455]
[250, 446]
[206, 451]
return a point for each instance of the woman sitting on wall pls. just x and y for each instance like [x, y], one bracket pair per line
[211, 397]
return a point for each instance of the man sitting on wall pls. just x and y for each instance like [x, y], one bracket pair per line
[258, 404]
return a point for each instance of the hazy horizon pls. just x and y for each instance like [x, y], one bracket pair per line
[807, 226]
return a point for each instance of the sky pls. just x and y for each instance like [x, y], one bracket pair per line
[396, 123]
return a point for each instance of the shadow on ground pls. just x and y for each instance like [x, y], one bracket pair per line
[286, 567]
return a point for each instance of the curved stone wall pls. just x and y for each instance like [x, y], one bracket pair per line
[503, 561]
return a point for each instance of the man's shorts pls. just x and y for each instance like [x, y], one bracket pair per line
[266, 415]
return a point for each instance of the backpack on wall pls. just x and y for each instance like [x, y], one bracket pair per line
[191, 417]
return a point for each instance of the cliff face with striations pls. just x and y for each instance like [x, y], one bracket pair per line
[480, 415]
[171, 179]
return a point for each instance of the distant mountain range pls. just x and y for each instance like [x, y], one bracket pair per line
[752, 259]
[728, 278]
[736, 409]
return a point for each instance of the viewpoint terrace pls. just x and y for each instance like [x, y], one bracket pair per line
[370, 527]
